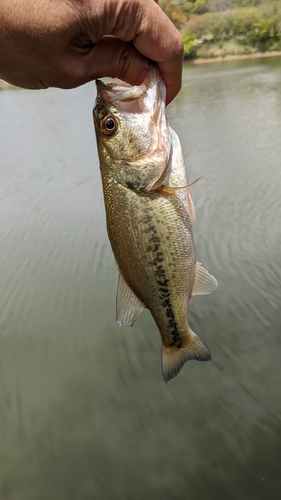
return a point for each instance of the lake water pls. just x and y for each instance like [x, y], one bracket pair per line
[84, 411]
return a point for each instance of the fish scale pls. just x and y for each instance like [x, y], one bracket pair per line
[147, 258]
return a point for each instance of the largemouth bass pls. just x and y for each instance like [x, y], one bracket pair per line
[149, 212]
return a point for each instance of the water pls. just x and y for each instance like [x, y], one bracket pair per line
[85, 414]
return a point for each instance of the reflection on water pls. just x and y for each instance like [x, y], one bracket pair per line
[85, 413]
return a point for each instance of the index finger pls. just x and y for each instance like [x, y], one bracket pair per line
[159, 40]
[143, 23]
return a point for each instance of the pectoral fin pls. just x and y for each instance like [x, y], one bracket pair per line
[204, 281]
[191, 206]
[173, 189]
[128, 306]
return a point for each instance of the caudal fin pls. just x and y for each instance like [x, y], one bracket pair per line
[173, 358]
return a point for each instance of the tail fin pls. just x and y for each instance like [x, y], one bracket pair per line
[173, 358]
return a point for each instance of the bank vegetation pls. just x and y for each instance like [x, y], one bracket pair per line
[218, 28]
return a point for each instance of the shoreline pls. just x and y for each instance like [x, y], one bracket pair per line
[255, 55]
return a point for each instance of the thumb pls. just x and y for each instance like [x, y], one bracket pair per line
[110, 57]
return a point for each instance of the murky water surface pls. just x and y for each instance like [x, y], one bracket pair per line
[84, 412]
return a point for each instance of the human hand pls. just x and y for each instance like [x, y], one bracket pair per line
[66, 43]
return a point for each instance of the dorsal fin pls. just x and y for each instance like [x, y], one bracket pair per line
[204, 281]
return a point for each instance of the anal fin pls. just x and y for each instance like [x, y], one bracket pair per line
[128, 306]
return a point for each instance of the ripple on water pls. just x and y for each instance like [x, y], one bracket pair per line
[76, 389]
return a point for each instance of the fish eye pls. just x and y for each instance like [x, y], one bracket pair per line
[109, 125]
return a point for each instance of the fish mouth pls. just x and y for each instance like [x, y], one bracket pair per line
[112, 92]
[135, 98]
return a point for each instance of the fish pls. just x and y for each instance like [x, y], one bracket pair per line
[149, 215]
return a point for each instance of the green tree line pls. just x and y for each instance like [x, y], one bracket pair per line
[213, 28]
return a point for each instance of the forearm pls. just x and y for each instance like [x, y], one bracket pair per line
[26, 28]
